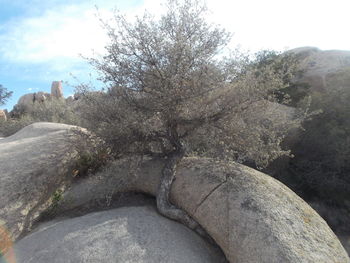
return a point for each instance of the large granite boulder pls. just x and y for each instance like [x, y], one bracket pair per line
[324, 70]
[128, 234]
[25, 102]
[251, 216]
[34, 163]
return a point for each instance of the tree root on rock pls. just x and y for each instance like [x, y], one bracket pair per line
[167, 209]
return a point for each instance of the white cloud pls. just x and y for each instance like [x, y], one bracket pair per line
[277, 24]
[32, 89]
[61, 34]
[63, 31]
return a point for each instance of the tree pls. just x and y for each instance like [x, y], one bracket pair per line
[172, 92]
[4, 95]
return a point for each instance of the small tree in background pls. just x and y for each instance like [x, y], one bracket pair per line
[171, 93]
[4, 95]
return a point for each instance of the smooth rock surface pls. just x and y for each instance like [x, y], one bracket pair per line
[324, 70]
[129, 234]
[251, 216]
[34, 162]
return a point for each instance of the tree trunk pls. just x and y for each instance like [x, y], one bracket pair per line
[163, 204]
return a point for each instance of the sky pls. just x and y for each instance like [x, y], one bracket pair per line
[44, 41]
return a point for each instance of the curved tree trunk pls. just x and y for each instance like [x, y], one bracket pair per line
[163, 204]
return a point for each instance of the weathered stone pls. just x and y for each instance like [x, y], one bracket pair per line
[3, 116]
[325, 70]
[26, 101]
[129, 234]
[56, 89]
[251, 216]
[41, 96]
[34, 163]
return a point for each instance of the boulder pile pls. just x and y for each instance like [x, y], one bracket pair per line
[26, 102]
[250, 216]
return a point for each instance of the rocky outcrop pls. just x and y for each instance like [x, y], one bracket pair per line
[27, 101]
[56, 89]
[251, 216]
[34, 163]
[128, 234]
[41, 96]
[324, 70]
[3, 116]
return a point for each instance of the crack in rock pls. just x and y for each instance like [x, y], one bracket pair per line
[209, 194]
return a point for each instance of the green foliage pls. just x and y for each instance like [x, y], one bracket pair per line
[323, 153]
[51, 211]
[56, 198]
[90, 162]
[288, 64]
[296, 93]
[320, 169]
[90, 159]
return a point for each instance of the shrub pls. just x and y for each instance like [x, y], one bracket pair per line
[53, 110]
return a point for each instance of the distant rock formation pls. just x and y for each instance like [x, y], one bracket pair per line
[324, 70]
[41, 96]
[56, 89]
[26, 102]
[3, 116]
